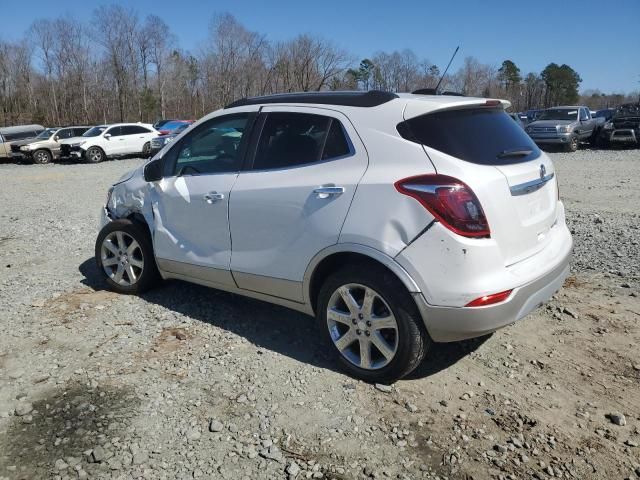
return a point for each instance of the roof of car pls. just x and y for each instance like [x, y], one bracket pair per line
[20, 128]
[372, 98]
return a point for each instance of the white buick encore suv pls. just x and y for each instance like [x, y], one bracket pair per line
[396, 219]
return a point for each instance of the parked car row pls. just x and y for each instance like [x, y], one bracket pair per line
[37, 144]
[570, 126]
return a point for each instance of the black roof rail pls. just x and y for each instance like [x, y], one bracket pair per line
[372, 98]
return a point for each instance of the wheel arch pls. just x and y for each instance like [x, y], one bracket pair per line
[137, 217]
[331, 259]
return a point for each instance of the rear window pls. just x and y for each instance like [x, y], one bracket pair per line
[486, 136]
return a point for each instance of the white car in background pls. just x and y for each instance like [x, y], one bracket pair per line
[396, 219]
[107, 141]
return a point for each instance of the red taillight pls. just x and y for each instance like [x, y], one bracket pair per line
[492, 103]
[449, 200]
[489, 299]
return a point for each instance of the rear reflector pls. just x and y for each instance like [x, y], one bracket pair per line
[489, 299]
[450, 201]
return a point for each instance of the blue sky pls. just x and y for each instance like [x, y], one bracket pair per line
[598, 38]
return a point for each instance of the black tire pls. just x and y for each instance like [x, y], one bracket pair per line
[148, 276]
[573, 145]
[413, 339]
[94, 155]
[41, 156]
[146, 150]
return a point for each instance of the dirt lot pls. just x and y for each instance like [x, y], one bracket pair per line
[187, 382]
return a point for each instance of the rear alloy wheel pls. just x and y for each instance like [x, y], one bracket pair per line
[94, 155]
[364, 331]
[146, 150]
[573, 144]
[41, 157]
[372, 324]
[125, 256]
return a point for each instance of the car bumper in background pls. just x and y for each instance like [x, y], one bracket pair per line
[625, 135]
[560, 138]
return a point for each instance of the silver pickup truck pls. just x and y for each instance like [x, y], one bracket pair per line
[564, 126]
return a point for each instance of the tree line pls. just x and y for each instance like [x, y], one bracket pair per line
[122, 67]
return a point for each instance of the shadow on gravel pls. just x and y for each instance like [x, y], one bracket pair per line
[266, 325]
[66, 422]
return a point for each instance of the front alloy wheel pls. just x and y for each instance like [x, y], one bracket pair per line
[362, 326]
[41, 157]
[122, 259]
[124, 255]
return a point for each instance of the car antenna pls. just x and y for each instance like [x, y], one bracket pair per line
[446, 69]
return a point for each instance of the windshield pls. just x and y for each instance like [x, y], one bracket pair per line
[604, 113]
[172, 125]
[94, 131]
[47, 133]
[558, 114]
[485, 136]
[181, 128]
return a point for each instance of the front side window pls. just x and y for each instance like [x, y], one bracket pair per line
[114, 131]
[293, 139]
[583, 114]
[213, 147]
[64, 133]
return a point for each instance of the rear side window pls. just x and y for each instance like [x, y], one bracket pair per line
[293, 139]
[77, 132]
[133, 130]
[486, 136]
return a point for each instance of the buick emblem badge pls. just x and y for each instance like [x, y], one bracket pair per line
[543, 172]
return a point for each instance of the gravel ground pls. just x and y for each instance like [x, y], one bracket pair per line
[187, 382]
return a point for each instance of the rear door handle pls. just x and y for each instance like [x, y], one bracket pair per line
[213, 197]
[328, 191]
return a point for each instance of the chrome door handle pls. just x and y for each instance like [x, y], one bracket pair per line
[328, 191]
[213, 197]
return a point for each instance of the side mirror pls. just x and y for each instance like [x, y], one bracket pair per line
[107, 136]
[153, 170]
[56, 138]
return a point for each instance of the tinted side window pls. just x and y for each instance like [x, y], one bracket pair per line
[64, 133]
[20, 135]
[583, 114]
[114, 131]
[336, 144]
[477, 135]
[213, 147]
[77, 132]
[291, 139]
[133, 130]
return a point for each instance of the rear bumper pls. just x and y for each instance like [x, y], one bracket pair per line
[448, 324]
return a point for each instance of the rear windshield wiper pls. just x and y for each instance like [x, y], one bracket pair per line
[516, 152]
